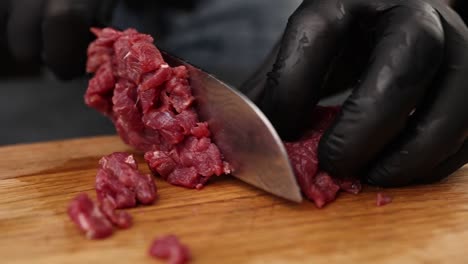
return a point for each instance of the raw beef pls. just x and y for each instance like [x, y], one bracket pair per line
[119, 184]
[121, 219]
[317, 185]
[89, 218]
[170, 249]
[152, 108]
[383, 199]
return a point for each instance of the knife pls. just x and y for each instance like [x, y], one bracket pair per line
[242, 132]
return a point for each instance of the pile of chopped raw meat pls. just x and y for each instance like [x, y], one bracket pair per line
[119, 185]
[317, 185]
[152, 107]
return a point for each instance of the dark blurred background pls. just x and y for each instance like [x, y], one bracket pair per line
[227, 38]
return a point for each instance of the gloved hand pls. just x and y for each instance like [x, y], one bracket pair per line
[461, 7]
[407, 62]
[53, 32]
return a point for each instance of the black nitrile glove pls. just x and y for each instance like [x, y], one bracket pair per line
[461, 6]
[51, 32]
[407, 62]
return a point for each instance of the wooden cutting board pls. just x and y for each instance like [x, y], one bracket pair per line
[227, 222]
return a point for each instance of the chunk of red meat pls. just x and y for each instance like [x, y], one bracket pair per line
[180, 93]
[167, 125]
[100, 51]
[317, 185]
[303, 157]
[130, 135]
[147, 99]
[124, 168]
[181, 73]
[324, 189]
[105, 36]
[155, 80]
[172, 127]
[200, 130]
[100, 90]
[186, 177]
[170, 249]
[148, 91]
[156, 140]
[169, 166]
[97, 56]
[108, 187]
[201, 154]
[165, 102]
[161, 162]
[148, 56]
[187, 119]
[146, 189]
[89, 218]
[135, 55]
[126, 115]
[352, 186]
[125, 61]
[383, 199]
[121, 219]
[124, 101]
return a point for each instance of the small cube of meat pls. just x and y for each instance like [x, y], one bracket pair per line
[119, 181]
[121, 219]
[317, 185]
[89, 218]
[170, 249]
[383, 199]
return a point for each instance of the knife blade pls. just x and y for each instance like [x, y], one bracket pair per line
[242, 132]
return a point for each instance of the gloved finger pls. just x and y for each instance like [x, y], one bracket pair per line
[23, 30]
[449, 166]
[407, 54]
[439, 128]
[311, 40]
[461, 7]
[66, 35]
[344, 72]
[431, 149]
[352, 60]
[254, 86]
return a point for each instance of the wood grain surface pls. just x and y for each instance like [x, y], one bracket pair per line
[227, 222]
